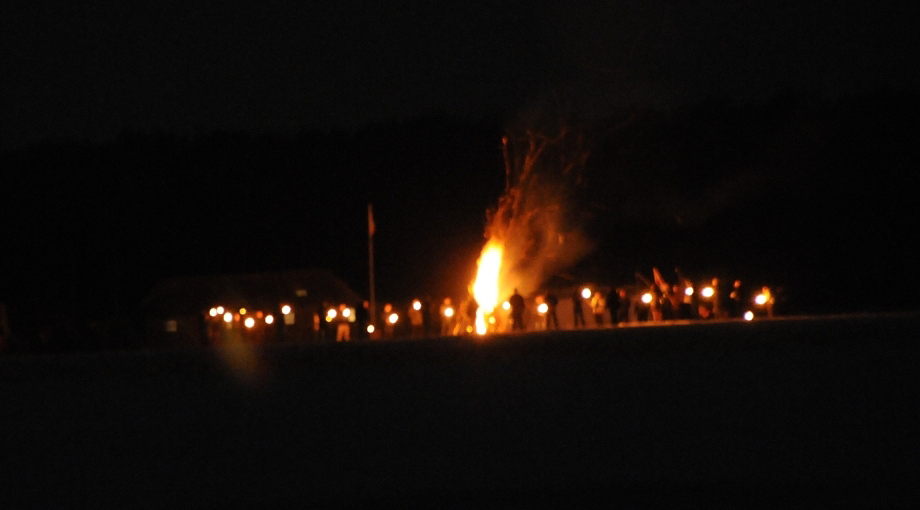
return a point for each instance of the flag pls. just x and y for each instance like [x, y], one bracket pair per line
[659, 281]
[371, 227]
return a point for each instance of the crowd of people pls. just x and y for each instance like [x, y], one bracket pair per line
[580, 307]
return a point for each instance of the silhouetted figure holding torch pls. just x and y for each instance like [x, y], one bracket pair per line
[598, 307]
[736, 301]
[448, 319]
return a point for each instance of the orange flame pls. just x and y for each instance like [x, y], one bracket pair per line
[486, 285]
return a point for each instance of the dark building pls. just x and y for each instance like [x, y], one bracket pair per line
[261, 307]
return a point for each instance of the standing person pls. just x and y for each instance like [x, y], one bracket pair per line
[319, 321]
[468, 315]
[362, 318]
[623, 313]
[552, 322]
[688, 297]
[389, 326]
[577, 312]
[342, 328]
[675, 300]
[517, 311]
[615, 303]
[767, 300]
[710, 304]
[448, 317]
[718, 301]
[416, 319]
[736, 300]
[598, 306]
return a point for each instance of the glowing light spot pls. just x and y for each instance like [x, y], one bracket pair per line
[249, 322]
[285, 309]
[331, 314]
[708, 292]
[346, 313]
[748, 315]
[688, 291]
[259, 314]
[761, 299]
[542, 308]
[586, 293]
[506, 306]
[228, 317]
[371, 328]
[212, 312]
[393, 318]
[491, 319]
[269, 319]
[220, 310]
[469, 329]
[242, 311]
[416, 305]
[449, 312]
[647, 297]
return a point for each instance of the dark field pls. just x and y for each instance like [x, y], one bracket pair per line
[788, 413]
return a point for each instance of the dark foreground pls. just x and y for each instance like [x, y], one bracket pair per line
[791, 413]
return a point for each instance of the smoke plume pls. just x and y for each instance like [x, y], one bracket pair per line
[535, 218]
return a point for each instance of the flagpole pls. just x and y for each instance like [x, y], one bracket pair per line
[371, 228]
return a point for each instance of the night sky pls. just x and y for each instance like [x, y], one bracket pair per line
[152, 139]
[93, 69]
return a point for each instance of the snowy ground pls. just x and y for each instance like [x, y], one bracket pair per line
[801, 412]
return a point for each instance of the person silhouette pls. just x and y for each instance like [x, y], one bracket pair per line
[552, 322]
[517, 311]
[577, 310]
[598, 307]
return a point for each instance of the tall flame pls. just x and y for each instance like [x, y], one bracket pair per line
[486, 284]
